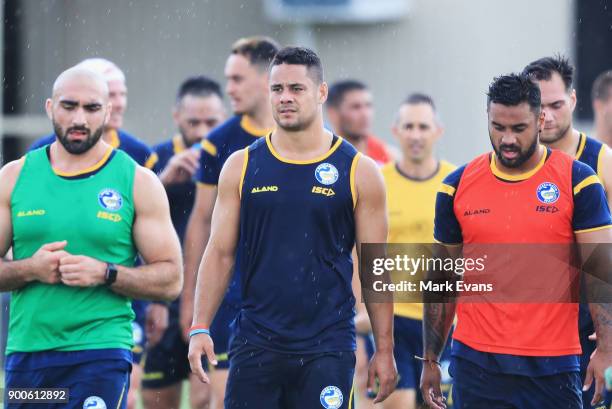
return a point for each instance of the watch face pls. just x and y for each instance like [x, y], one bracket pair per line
[111, 274]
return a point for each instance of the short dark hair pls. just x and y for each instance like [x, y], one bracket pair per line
[258, 50]
[339, 89]
[543, 69]
[420, 98]
[602, 87]
[200, 86]
[300, 56]
[513, 90]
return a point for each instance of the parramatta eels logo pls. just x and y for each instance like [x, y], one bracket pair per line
[326, 173]
[110, 199]
[547, 192]
[331, 397]
[94, 402]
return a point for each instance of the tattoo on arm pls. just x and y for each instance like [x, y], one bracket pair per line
[437, 320]
[602, 318]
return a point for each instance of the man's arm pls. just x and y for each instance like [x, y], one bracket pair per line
[371, 227]
[438, 317]
[595, 246]
[215, 269]
[156, 241]
[362, 321]
[439, 313]
[43, 265]
[196, 238]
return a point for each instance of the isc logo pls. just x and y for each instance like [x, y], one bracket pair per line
[547, 209]
[325, 191]
[113, 217]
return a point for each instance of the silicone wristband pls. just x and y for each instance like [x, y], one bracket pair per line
[198, 331]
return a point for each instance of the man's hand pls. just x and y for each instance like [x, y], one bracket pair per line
[46, 262]
[185, 318]
[201, 345]
[382, 368]
[82, 271]
[600, 361]
[156, 323]
[181, 167]
[431, 378]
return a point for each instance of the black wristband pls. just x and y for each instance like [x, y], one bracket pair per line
[111, 274]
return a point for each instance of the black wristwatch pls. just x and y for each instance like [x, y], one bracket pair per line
[111, 274]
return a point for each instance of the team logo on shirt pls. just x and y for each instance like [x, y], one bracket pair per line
[326, 174]
[331, 397]
[110, 199]
[547, 192]
[94, 402]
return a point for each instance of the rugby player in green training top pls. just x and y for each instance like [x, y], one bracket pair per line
[76, 213]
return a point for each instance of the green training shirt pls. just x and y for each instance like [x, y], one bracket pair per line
[94, 212]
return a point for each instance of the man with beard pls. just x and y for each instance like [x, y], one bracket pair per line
[76, 213]
[554, 75]
[506, 354]
[151, 318]
[113, 134]
[246, 71]
[198, 109]
[290, 209]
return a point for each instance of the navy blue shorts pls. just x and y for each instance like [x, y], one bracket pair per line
[166, 363]
[259, 378]
[475, 387]
[94, 384]
[408, 337]
[220, 331]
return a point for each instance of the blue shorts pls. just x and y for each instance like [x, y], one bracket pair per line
[88, 383]
[138, 329]
[259, 378]
[221, 331]
[166, 363]
[408, 336]
[476, 387]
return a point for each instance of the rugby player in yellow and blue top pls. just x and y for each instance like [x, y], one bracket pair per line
[76, 213]
[293, 205]
[412, 184]
[504, 354]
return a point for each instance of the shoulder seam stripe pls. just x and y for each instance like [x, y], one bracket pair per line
[447, 189]
[607, 226]
[151, 161]
[209, 147]
[591, 180]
